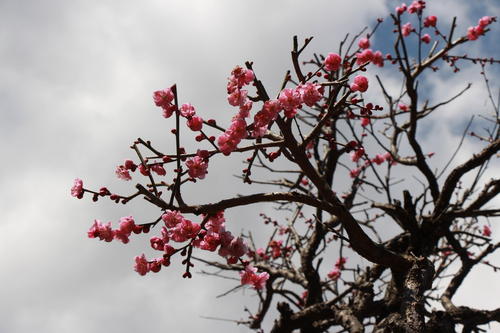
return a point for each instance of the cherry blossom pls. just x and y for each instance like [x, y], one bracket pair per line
[77, 189]
[426, 38]
[430, 21]
[416, 7]
[158, 169]
[197, 167]
[401, 9]
[141, 265]
[486, 231]
[334, 274]
[332, 62]
[249, 276]
[195, 123]
[406, 29]
[122, 173]
[101, 231]
[364, 43]
[290, 100]
[360, 84]
[187, 110]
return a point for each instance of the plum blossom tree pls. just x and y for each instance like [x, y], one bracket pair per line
[344, 162]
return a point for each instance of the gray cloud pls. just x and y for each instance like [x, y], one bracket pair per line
[76, 91]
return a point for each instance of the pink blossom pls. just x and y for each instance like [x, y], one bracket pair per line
[263, 118]
[378, 159]
[364, 43]
[197, 167]
[430, 21]
[236, 248]
[141, 265]
[172, 218]
[229, 140]
[403, 107]
[360, 84]
[340, 263]
[122, 173]
[332, 62]
[209, 242]
[310, 93]
[416, 7]
[143, 170]
[388, 157]
[168, 111]
[426, 38]
[355, 172]
[184, 231]
[163, 98]
[365, 121]
[290, 100]
[155, 265]
[259, 280]
[158, 169]
[486, 231]
[187, 110]
[101, 231]
[276, 248]
[130, 165]
[473, 33]
[357, 154]
[401, 9]
[406, 29]
[364, 56]
[249, 276]
[237, 97]
[334, 274]
[485, 21]
[77, 189]
[239, 78]
[157, 243]
[378, 59]
[127, 226]
[195, 123]
[216, 222]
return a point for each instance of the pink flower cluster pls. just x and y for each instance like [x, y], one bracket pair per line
[123, 171]
[194, 122]
[335, 273]
[230, 139]
[163, 99]
[473, 33]
[238, 97]
[289, 100]
[378, 159]
[264, 117]
[368, 55]
[250, 276]
[214, 235]
[77, 189]
[106, 233]
[416, 6]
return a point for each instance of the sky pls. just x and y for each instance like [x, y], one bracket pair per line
[77, 79]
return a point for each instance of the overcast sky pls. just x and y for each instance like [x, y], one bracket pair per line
[75, 91]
